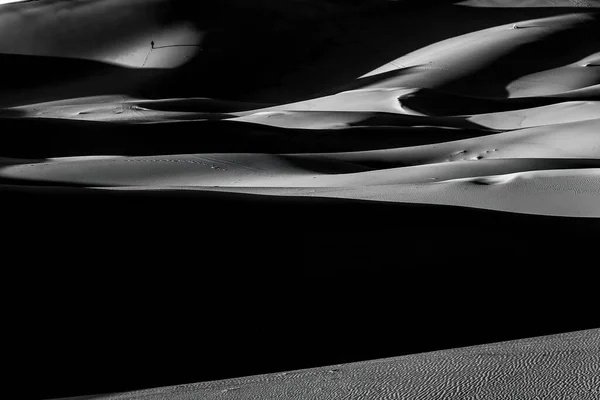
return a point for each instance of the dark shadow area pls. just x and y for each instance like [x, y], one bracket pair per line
[44, 138]
[205, 105]
[176, 45]
[372, 80]
[115, 291]
[267, 52]
[574, 44]
[110, 291]
[442, 104]
[93, 397]
[37, 79]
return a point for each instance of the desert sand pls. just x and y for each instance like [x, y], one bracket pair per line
[282, 183]
[556, 366]
[525, 94]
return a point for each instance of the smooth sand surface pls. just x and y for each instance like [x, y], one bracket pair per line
[565, 365]
[493, 171]
[106, 30]
[504, 117]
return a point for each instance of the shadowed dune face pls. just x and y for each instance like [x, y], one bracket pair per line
[383, 39]
[498, 62]
[103, 30]
[237, 40]
[474, 113]
[36, 79]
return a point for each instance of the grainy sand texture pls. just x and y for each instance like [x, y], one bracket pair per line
[550, 367]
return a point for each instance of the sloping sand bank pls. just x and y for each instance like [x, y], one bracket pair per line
[555, 366]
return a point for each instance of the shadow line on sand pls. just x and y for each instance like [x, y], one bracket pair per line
[37, 79]
[45, 138]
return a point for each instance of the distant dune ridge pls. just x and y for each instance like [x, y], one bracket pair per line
[522, 90]
[505, 113]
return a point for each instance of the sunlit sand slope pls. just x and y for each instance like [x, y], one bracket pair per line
[504, 116]
[558, 366]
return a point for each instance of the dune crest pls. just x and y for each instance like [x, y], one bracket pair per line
[494, 114]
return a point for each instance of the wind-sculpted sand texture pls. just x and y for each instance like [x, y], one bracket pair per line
[551, 367]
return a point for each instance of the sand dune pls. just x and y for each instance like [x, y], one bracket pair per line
[440, 133]
[567, 140]
[265, 170]
[496, 370]
[105, 30]
[565, 112]
[504, 89]
[443, 90]
[484, 62]
[567, 193]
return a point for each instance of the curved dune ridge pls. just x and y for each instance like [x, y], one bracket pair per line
[502, 115]
[557, 366]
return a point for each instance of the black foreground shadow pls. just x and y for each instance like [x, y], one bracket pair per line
[115, 291]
